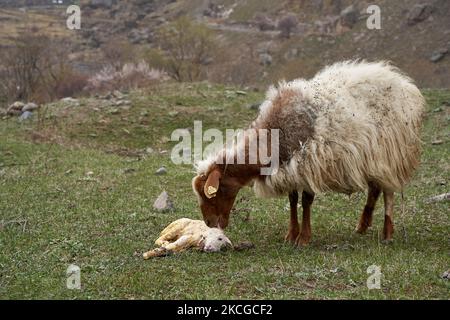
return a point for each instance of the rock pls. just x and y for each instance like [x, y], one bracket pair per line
[26, 116]
[437, 142]
[440, 198]
[119, 95]
[101, 3]
[349, 16]
[438, 55]
[149, 150]
[30, 106]
[15, 109]
[161, 171]
[163, 203]
[265, 59]
[244, 245]
[70, 100]
[419, 13]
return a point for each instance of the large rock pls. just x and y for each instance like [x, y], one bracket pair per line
[163, 203]
[419, 13]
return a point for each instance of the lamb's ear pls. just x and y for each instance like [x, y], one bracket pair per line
[228, 243]
[212, 184]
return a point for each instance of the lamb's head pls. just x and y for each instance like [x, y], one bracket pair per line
[214, 240]
[216, 193]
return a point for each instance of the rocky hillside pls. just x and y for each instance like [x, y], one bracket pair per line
[414, 34]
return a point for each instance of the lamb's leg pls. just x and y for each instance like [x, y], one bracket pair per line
[305, 235]
[294, 229]
[183, 243]
[170, 233]
[366, 217]
[388, 229]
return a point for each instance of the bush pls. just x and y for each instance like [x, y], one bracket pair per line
[287, 24]
[264, 23]
[36, 69]
[130, 76]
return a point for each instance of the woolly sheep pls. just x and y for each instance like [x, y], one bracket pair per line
[354, 126]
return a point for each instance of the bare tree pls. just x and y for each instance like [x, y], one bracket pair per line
[189, 47]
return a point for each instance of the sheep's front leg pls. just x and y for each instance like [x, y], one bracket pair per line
[294, 229]
[305, 234]
[388, 229]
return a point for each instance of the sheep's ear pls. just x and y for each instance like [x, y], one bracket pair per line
[212, 184]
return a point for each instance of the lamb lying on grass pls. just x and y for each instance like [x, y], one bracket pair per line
[185, 233]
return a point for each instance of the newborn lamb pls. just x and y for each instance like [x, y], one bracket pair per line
[185, 233]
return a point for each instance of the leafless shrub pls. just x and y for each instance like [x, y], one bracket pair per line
[287, 25]
[36, 68]
[264, 23]
[189, 46]
[130, 76]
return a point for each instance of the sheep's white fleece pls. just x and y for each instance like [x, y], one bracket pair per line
[367, 120]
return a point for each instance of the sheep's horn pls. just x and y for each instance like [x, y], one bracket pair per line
[211, 192]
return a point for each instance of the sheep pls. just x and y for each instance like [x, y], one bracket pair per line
[185, 233]
[354, 127]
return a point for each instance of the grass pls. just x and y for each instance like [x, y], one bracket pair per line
[53, 214]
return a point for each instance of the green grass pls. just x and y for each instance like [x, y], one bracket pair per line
[53, 216]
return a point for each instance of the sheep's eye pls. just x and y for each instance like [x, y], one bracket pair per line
[220, 239]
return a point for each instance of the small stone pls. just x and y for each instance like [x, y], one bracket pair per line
[437, 142]
[244, 245]
[161, 171]
[118, 94]
[69, 100]
[26, 116]
[149, 150]
[163, 203]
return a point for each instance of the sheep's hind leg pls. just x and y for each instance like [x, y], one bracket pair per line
[366, 217]
[388, 229]
[294, 228]
[305, 235]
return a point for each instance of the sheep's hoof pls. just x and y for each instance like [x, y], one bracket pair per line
[302, 241]
[291, 237]
[361, 229]
[387, 241]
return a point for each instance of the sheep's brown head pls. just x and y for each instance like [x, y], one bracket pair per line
[216, 193]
